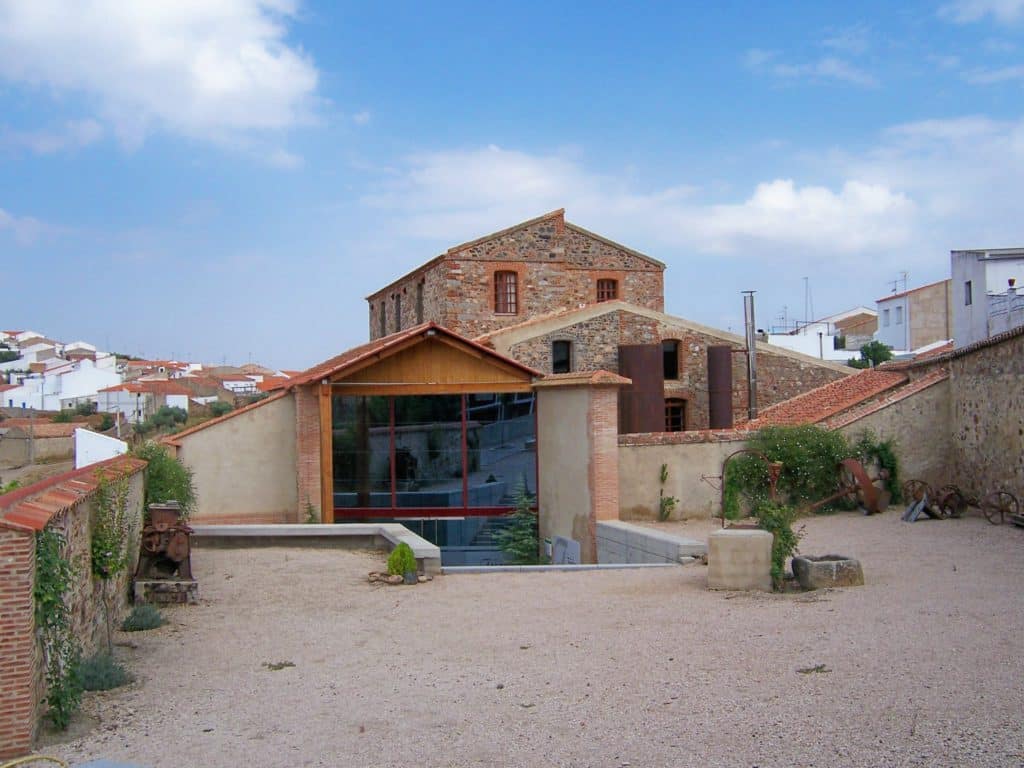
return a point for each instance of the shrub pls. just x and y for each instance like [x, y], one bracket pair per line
[778, 519]
[101, 673]
[168, 416]
[106, 423]
[401, 560]
[85, 409]
[167, 479]
[871, 354]
[142, 618]
[219, 408]
[63, 417]
[520, 540]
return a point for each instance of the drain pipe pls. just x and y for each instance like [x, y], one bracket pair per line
[748, 318]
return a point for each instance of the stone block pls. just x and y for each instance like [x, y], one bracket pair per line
[166, 591]
[827, 571]
[740, 559]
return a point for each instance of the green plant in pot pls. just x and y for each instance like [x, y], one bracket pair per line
[402, 562]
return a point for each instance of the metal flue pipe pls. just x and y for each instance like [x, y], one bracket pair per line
[748, 318]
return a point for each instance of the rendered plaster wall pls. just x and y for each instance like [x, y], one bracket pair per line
[244, 467]
[564, 457]
[694, 462]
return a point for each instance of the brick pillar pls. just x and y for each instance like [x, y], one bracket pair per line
[307, 447]
[603, 419]
[21, 665]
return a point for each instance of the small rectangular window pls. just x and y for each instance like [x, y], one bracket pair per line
[899, 315]
[607, 290]
[885, 318]
[675, 415]
[506, 299]
[561, 356]
[670, 358]
[968, 294]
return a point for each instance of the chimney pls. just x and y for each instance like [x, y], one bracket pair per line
[748, 316]
[1011, 286]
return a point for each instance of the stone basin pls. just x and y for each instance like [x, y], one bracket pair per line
[816, 572]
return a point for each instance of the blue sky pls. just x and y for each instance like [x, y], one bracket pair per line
[227, 179]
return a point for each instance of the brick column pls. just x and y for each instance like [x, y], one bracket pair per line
[20, 665]
[307, 447]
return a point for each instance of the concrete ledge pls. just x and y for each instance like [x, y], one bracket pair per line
[375, 535]
[454, 569]
[622, 542]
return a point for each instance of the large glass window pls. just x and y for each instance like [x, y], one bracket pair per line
[433, 454]
[506, 295]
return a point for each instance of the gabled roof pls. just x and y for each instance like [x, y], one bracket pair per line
[150, 386]
[564, 318]
[31, 508]
[388, 345]
[828, 400]
[556, 214]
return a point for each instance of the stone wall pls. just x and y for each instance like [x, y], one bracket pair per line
[557, 267]
[73, 495]
[987, 388]
[595, 346]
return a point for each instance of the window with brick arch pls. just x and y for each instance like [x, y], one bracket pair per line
[506, 293]
[607, 290]
[675, 414]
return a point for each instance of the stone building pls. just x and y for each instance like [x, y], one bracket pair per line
[591, 338]
[532, 268]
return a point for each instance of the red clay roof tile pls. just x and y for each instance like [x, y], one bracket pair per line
[828, 400]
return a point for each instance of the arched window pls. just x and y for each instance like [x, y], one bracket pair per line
[675, 414]
[670, 358]
[506, 295]
[607, 290]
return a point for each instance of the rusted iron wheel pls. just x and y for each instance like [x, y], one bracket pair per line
[999, 505]
[952, 502]
[860, 489]
[916, 490]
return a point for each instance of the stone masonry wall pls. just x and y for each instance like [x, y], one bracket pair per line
[987, 387]
[557, 265]
[595, 346]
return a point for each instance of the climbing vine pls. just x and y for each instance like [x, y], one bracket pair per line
[61, 651]
[110, 528]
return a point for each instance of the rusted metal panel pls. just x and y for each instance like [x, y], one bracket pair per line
[642, 404]
[720, 387]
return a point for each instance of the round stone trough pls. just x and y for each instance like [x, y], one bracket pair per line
[816, 572]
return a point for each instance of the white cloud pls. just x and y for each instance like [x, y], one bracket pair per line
[991, 76]
[469, 191]
[25, 229]
[73, 135]
[827, 68]
[966, 11]
[852, 40]
[208, 69]
[285, 160]
[361, 118]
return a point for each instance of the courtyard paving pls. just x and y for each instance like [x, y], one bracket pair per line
[293, 659]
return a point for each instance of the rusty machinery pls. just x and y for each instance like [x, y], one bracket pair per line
[950, 501]
[166, 544]
[853, 483]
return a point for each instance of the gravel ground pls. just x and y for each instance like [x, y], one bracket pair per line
[921, 667]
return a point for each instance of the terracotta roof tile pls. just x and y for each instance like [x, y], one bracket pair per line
[35, 505]
[152, 386]
[828, 400]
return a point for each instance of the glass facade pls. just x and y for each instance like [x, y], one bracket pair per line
[432, 455]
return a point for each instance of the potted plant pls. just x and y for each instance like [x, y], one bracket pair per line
[402, 562]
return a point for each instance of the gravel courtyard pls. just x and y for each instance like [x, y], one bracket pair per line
[923, 666]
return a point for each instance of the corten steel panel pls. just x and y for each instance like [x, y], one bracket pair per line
[642, 404]
[720, 387]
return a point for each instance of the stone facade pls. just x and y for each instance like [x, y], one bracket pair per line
[595, 345]
[987, 393]
[19, 706]
[557, 266]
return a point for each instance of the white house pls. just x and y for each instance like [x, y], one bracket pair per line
[63, 386]
[837, 337]
[985, 285]
[138, 400]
